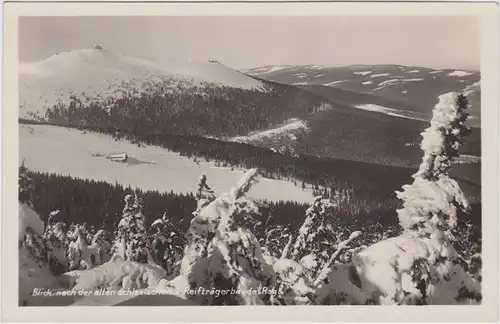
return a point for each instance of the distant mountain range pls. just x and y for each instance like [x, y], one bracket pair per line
[370, 114]
[411, 91]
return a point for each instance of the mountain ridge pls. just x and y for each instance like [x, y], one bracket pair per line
[414, 88]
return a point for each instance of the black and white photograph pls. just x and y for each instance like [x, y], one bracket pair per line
[176, 160]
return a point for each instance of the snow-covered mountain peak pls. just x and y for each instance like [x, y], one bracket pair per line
[101, 73]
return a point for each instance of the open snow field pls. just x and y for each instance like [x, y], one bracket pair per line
[391, 111]
[293, 124]
[67, 151]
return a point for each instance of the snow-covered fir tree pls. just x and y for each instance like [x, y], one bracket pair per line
[131, 236]
[56, 244]
[434, 201]
[313, 245]
[198, 236]
[222, 253]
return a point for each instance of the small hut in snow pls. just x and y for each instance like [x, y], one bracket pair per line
[118, 157]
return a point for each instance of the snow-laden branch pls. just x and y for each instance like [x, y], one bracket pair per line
[244, 184]
[286, 249]
[340, 248]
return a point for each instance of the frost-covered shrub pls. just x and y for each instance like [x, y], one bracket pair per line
[100, 240]
[293, 283]
[82, 255]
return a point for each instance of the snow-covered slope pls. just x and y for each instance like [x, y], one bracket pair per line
[29, 219]
[97, 73]
[389, 111]
[70, 152]
[276, 133]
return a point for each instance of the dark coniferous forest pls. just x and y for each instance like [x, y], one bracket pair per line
[203, 110]
[100, 204]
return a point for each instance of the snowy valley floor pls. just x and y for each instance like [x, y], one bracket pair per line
[69, 152]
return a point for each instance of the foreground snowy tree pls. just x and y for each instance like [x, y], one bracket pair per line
[312, 253]
[420, 266]
[131, 236]
[34, 270]
[37, 263]
[56, 243]
[313, 245]
[433, 201]
[222, 253]
[432, 205]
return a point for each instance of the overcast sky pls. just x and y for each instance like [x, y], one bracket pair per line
[246, 42]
